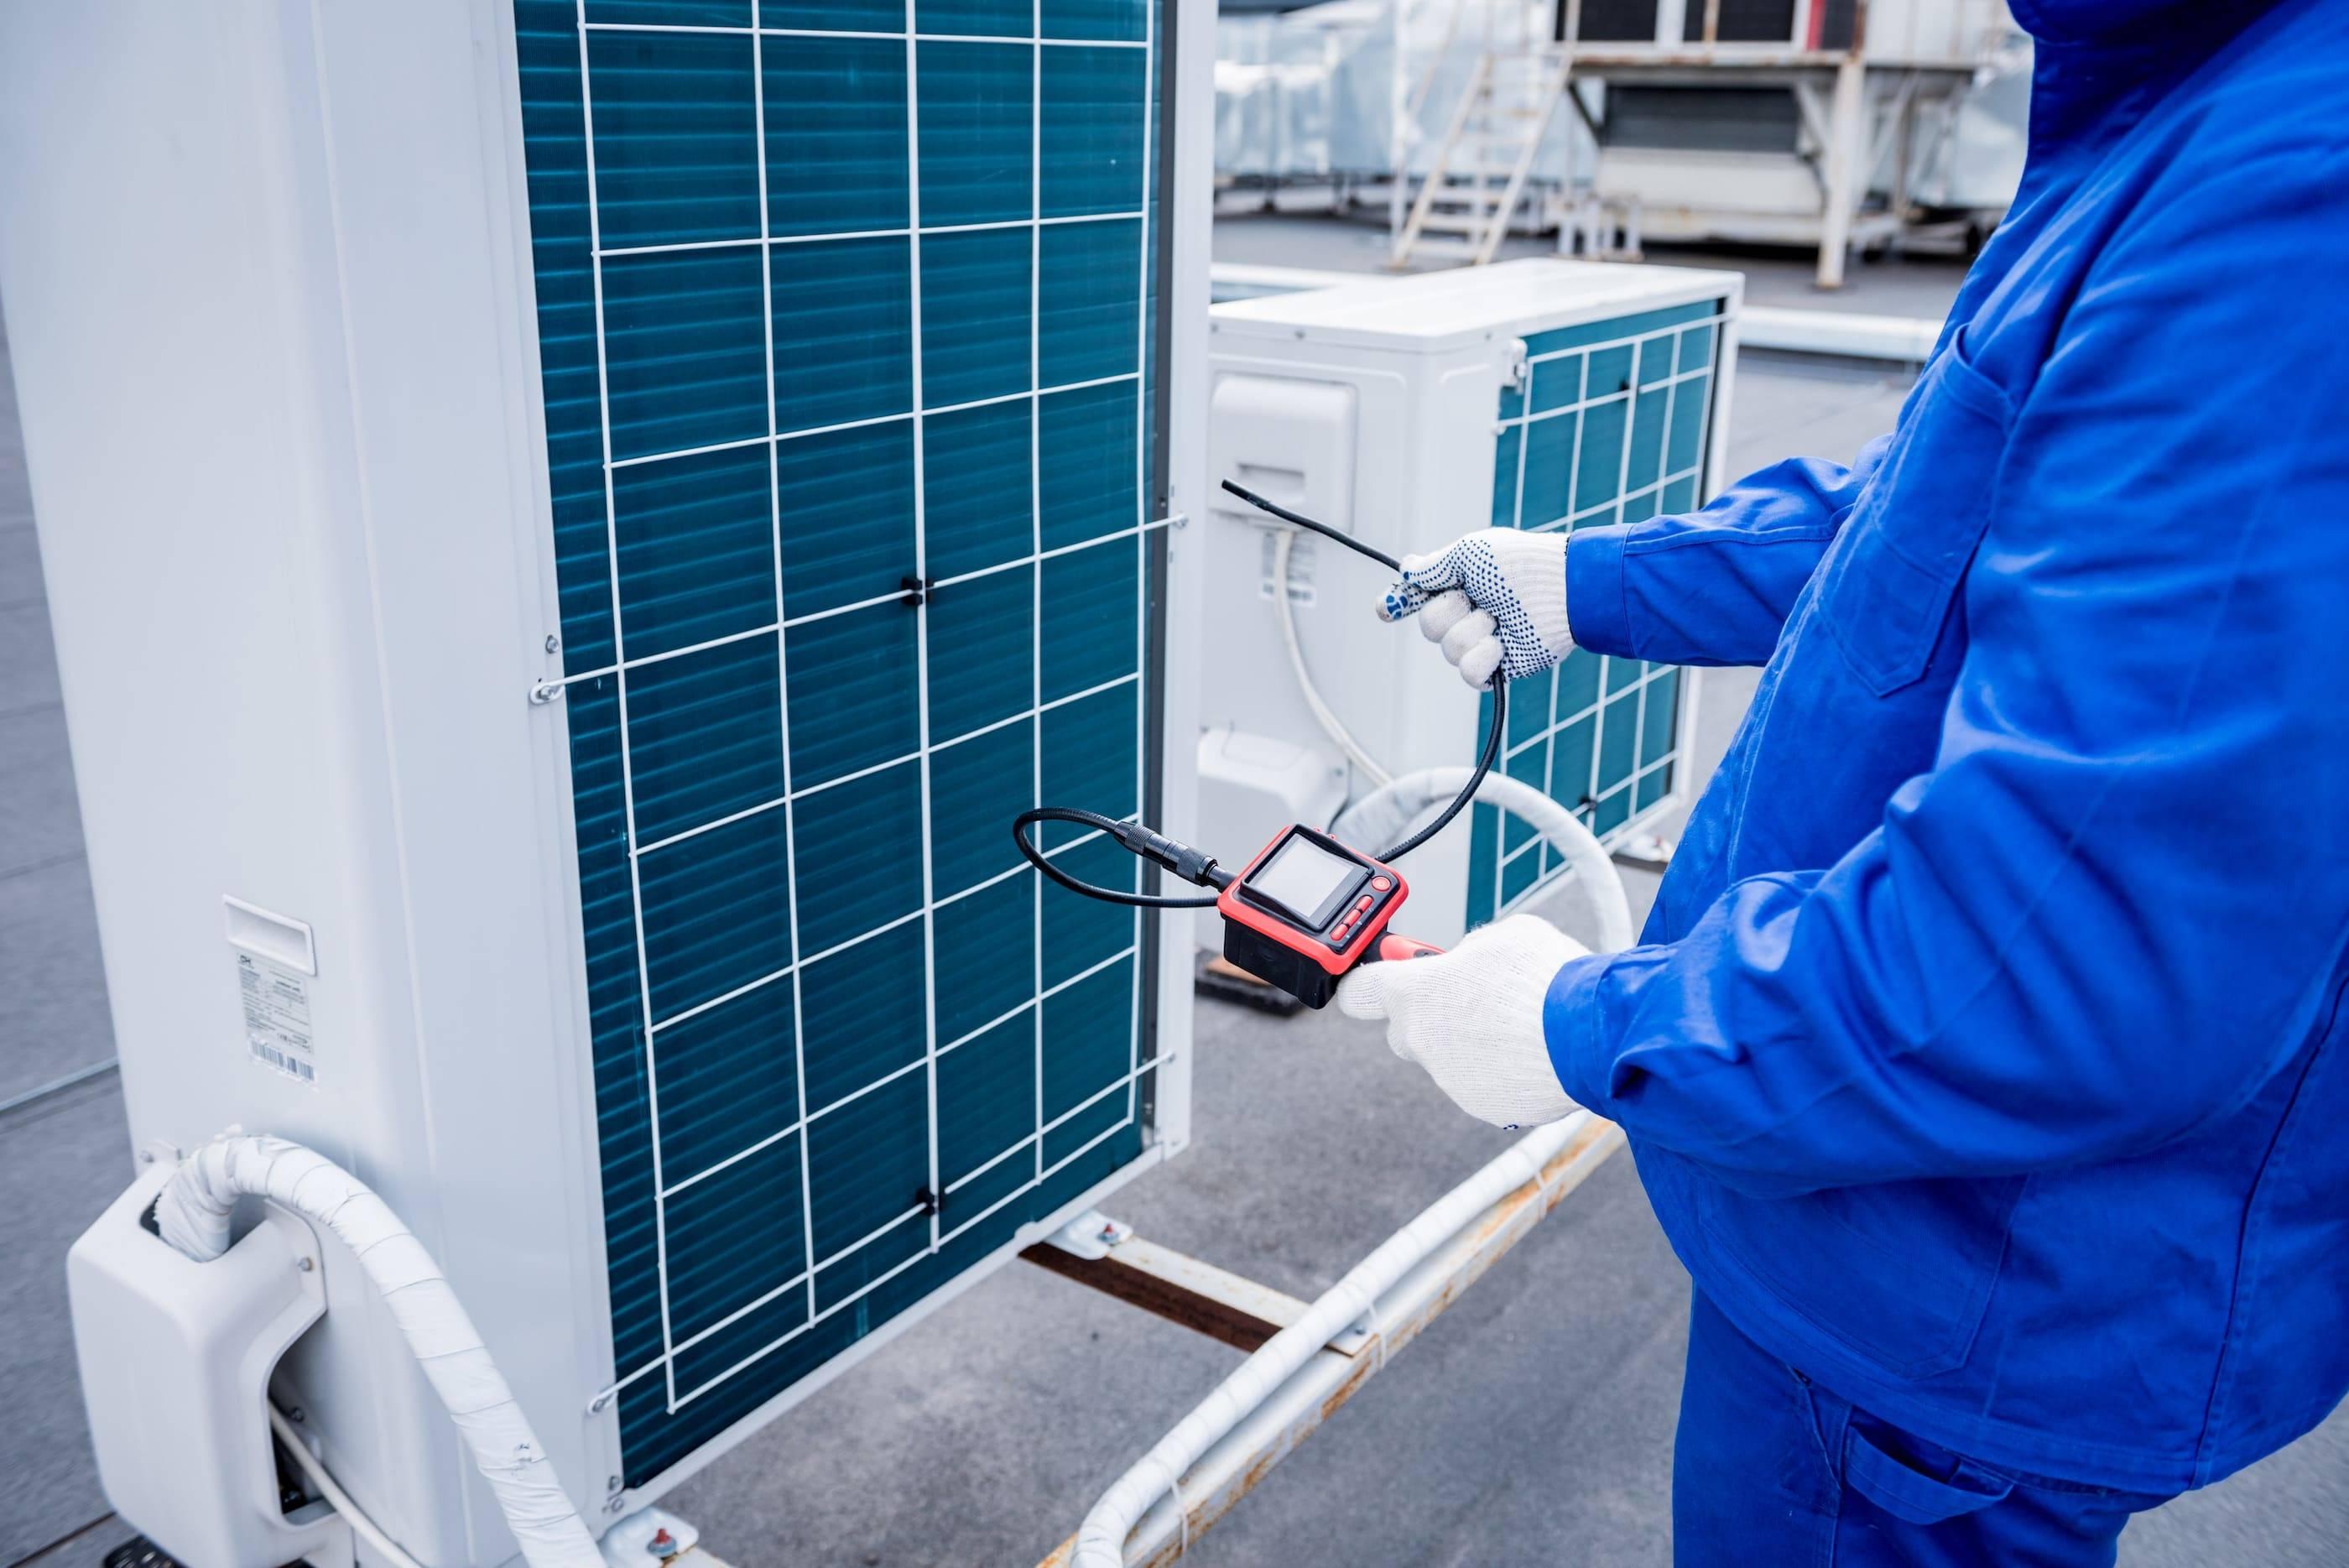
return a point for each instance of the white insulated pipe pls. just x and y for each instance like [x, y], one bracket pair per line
[1384, 816]
[193, 1214]
[1101, 1540]
[393, 1554]
[1285, 614]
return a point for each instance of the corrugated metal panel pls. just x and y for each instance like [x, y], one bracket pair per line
[1612, 427]
[1744, 22]
[822, 985]
[1836, 18]
[1703, 118]
[1612, 21]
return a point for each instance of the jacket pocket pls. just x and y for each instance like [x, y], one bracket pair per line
[1885, 588]
[1899, 1273]
[1909, 1494]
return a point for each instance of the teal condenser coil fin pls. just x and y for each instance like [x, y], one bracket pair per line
[1612, 425]
[849, 320]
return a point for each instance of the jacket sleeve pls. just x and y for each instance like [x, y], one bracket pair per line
[1715, 586]
[2118, 904]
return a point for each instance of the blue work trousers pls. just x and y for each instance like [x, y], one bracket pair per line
[1771, 1469]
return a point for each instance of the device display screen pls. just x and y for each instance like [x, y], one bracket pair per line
[1305, 881]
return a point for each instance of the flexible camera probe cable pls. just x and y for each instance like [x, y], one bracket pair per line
[1196, 866]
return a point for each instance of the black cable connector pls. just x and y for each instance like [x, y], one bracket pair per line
[1196, 867]
[1192, 866]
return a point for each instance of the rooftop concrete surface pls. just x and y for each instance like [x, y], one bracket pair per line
[1533, 1423]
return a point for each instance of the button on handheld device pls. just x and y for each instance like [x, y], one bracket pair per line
[1307, 909]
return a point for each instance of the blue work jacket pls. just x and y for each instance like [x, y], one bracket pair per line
[1985, 1057]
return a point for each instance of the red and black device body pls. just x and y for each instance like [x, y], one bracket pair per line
[1307, 909]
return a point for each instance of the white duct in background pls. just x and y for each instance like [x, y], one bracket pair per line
[1975, 160]
[1310, 94]
[193, 1214]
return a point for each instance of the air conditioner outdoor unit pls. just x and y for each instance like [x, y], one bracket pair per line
[569, 542]
[1539, 394]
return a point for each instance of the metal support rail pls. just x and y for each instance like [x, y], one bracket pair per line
[1241, 1313]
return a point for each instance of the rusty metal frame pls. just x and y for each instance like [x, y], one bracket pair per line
[1199, 1296]
[1227, 1307]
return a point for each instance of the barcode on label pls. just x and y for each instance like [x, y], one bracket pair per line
[293, 1067]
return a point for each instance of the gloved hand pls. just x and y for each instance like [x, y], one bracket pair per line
[1493, 599]
[1473, 1017]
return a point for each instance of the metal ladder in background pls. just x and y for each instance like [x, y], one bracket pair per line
[1478, 176]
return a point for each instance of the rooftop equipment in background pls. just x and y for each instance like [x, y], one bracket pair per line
[1475, 120]
[1769, 120]
[569, 542]
[1540, 394]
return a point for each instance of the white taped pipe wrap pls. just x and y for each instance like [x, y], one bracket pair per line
[1101, 1540]
[1383, 817]
[193, 1214]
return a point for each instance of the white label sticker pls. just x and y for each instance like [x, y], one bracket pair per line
[277, 1016]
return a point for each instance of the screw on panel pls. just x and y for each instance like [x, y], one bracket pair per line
[306, 1264]
[613, 1484]
[601, 1402]
[546, 692]
[553, 643]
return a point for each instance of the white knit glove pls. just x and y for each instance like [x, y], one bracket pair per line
[1493, 599]
[1473, 1017]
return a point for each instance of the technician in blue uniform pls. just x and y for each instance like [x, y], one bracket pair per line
[1986, 1059]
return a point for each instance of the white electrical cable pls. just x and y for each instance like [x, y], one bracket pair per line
[193, 1214]
[363, 1527]
[1101, 1540]
[1285, 614]
[1385, 814]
